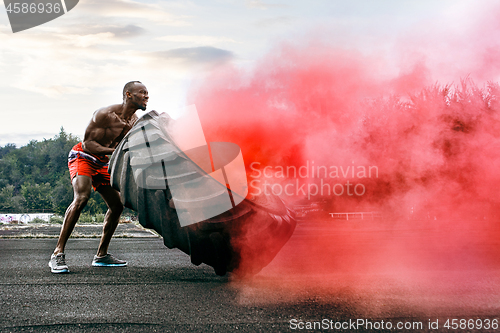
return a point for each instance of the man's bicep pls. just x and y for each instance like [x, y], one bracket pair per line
[96, 129]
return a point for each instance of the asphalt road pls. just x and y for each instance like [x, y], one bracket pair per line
[348, 277]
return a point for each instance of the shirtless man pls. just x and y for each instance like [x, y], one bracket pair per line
[88, 165]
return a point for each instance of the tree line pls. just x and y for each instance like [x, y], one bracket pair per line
[35, 177]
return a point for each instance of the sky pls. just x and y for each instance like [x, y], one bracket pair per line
[57, 74]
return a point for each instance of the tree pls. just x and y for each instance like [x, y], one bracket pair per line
[10, 202]
[10, 172]
[96, 204]
[7, 149]
[57, 153]
[37, 196]
[62, 194]
[36, 176]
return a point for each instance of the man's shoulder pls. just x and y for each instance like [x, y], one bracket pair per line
[108, 109]
[104, 112]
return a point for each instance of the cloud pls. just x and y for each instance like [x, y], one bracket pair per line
[199, 39]
[118, 31]
[21, 139]
[103, 38]
[49, 62]
[132, 9]
[261, 5]
[129, 30]
[192, 56]
[4, 28]
[279, 20]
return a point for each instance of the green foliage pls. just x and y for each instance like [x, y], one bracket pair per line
[35, 177]
[56, 219]
[99, 218]
[88, 218]
[37, 196]
[62, 194]
[10, 202]
[7, 149]
[38, 220]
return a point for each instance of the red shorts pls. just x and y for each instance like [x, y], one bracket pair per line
[84, 164]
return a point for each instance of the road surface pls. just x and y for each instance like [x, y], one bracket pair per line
[328, 274]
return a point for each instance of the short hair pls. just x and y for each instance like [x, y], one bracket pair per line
[129, 86]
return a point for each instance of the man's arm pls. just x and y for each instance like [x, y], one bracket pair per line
[95, 140]
[95, 148]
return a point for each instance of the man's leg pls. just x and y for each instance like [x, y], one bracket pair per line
[82, 186]
[81, 189]
[115, 208]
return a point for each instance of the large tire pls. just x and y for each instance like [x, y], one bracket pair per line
[243, 239]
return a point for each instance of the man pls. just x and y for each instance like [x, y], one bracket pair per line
[88, 166]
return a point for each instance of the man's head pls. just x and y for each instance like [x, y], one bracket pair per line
[135, 92]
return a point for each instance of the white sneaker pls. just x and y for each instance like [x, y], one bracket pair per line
[57, 263]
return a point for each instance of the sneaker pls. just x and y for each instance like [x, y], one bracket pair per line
[57, 263]
[108, 261]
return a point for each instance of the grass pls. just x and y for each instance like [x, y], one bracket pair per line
[26, 231]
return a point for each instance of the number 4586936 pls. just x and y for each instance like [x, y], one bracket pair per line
[462, 324]
[32, 8]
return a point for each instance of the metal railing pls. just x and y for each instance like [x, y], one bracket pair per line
[356, 215]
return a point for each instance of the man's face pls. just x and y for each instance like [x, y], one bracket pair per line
[139, 96]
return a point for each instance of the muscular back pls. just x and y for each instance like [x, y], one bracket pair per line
[106, 129]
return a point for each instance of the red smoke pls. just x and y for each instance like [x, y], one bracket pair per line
[436, 147]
